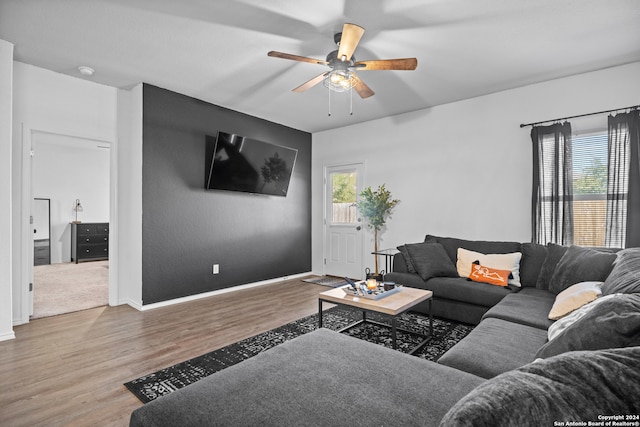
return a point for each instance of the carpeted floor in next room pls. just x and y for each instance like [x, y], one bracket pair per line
[67, 287]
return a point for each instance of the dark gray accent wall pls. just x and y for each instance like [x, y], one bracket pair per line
[186, 229]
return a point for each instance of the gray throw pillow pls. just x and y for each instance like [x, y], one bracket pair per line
[625, 276]
[610, 324]
[431, 260]
[407, 259]
[577, 386]
[580, 264]
[554, 253]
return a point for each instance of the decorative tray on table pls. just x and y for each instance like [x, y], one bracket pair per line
[361, 290]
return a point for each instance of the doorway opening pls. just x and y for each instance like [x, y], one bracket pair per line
[343, 236]
[73, 174]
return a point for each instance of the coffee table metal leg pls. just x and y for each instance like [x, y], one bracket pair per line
[319, 313]
[393, 333]
[431, 316]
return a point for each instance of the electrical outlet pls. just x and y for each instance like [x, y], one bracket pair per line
[216, 268]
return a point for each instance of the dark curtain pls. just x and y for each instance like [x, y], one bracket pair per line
[552, 196]
[623, 193]
[617, 180]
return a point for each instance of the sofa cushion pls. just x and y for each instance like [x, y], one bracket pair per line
[612, 323]
[625, 275]
[510, 261]
[580, 264]
[430, 260]
[533, 256]
[528, 307]
[320, 378]
[580, 386]
[451, 245]
[574, 297]
[409, 268]
[554, 253]
[461, 289]
[495, 346]
[561, 324]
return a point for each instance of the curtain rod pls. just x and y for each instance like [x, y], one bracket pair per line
[580, 115]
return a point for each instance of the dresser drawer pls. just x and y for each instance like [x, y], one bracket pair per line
[93, 251]
[102, 228]
[86, 229]
[92, 238]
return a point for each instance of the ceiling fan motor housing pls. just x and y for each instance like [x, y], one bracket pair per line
[337, 64]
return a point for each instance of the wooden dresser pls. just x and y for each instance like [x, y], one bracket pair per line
[89, 241]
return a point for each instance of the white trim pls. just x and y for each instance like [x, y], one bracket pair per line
[8, 336]
[213, 293]
[361, 164]
[26, 253]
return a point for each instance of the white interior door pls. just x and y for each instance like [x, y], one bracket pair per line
[343, 238]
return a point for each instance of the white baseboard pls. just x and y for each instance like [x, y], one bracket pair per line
[212, 293]
[8, 336]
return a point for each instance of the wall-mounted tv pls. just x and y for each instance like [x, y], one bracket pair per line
[237, 163]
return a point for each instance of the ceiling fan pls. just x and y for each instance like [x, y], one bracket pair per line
[343, 64]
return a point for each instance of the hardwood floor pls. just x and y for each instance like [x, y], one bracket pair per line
[70, 369]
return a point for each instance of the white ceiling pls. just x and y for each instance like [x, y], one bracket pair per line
[216, 50]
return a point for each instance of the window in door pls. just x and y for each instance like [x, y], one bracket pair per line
[344, 198]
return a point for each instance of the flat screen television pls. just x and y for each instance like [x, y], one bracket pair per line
[243, 164]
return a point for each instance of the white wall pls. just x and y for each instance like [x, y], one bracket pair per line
[65, 169]
[128, 212]
[462, 169]
[6, 257]
[45, 101]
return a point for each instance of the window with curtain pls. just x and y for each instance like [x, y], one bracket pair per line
[590, 175]
[552, 209]
[586, 188]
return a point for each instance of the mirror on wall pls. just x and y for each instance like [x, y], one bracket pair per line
[41, 231]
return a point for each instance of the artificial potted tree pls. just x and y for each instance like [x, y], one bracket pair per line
[375, 207]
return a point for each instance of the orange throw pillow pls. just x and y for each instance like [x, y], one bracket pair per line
[492, 276]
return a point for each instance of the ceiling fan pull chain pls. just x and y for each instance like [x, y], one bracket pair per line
[329, 103]
[351, 101]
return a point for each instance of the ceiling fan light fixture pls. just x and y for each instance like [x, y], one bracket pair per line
[339, 80]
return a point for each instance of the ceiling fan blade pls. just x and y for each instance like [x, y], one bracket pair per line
[296, 58]
[309, 84]
[387, 64]
[363, 90]
[351, 35]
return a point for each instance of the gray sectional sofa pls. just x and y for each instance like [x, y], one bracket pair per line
[505, 372]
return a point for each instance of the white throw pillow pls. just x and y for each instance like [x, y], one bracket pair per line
[560, 325]
[509, 262]
[574, 297]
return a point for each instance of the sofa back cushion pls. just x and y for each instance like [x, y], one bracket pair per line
[579, 264]
[611, 323]
[451, 246]
[533, 256]
[625, 275]
[577, 386]
[554, 253]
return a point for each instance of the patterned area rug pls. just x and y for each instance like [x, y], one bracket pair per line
[333, 282]
[445, 335]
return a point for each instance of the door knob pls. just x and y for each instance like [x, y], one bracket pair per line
[358, 228]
